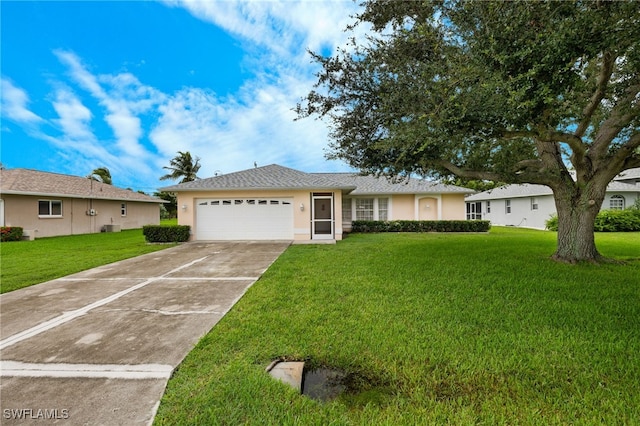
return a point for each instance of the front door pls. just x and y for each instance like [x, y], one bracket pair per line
[322, 223]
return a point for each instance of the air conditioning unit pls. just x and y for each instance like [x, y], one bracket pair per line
[92, 212]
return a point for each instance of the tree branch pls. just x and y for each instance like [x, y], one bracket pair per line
[620, 117]
[625, 153]
[470, 174]
[608, 62]
[574, 142]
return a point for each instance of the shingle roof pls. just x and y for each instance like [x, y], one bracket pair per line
[267, 177]
[630, 174]
[530, 190]
[34, 182]
[370, 184]
[512, 191]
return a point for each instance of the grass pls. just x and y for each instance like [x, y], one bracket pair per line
[435, 329]
[24, 263]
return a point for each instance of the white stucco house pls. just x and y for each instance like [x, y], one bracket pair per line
[530, 206]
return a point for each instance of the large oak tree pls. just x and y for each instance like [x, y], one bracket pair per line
[515, 92]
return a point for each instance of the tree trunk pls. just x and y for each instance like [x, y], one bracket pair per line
[577, 211]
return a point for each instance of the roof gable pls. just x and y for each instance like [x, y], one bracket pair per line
[46, 184]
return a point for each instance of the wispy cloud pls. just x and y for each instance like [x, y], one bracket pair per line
[147, 126]
[14, 105]
[125, 98]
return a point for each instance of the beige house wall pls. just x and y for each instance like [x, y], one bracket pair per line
[301, 217]
[453, 207]
[402, 207]
[22, 210]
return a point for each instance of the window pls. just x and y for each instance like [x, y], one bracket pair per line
[123, 209]
[49, 208]
[616, 202]
[346, 210]
[488, 206]
[364, 208]
[534, 203]
[383, 208]
[507, 206]
[474, 211]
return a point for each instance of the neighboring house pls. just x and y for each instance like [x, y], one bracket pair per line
[531, 206]
[279, 203]
[47, 204]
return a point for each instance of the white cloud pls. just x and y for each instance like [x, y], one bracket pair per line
[257, 123]
[228, 133]
[14, 104]
[123, 96]
[74, 117]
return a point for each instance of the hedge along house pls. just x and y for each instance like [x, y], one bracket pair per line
[530, 206]
[48, 204]
[279, 203]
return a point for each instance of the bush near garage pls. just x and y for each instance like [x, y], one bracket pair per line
[368, 226]
[10, 233]
[166, 234]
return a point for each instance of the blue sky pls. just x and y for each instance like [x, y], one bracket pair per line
[126, 85]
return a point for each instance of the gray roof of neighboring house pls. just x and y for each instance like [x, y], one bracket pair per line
[272, 177]
[46, 184]
[369, 184]
[631, 174]
[530, 190]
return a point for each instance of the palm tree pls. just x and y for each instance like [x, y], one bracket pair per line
[101, 174]
[183, 166]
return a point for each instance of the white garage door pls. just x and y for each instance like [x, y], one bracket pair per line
[244, 219]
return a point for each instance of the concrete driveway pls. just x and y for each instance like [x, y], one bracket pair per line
[98, 347]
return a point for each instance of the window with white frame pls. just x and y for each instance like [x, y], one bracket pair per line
[616, 202]
[488, 206]
[346, 210]
[534, 203]
[507, 206]
[49, 208]
[364, 208]
[123, 209]
[474, 211]
[383, 208]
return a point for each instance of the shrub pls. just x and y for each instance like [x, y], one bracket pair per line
[552, 223]
[10, 233]
[366, 226]
[618, 221]
[166, 234]
[609, 221]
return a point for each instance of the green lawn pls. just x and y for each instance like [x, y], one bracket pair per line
[435, 329]
[24, 263]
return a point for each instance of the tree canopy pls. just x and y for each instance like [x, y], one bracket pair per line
[182, 166]
[101, 174]
[515, 92]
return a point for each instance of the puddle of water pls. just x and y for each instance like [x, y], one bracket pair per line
[323, 384]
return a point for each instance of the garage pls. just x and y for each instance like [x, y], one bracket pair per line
[244, 219]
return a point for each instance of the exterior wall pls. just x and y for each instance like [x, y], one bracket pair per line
[402, 207]
[453, 207]
[22, 210]
[420, 206]
[629, 199]
[302, 218]
[522, 214]
[429, 208]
